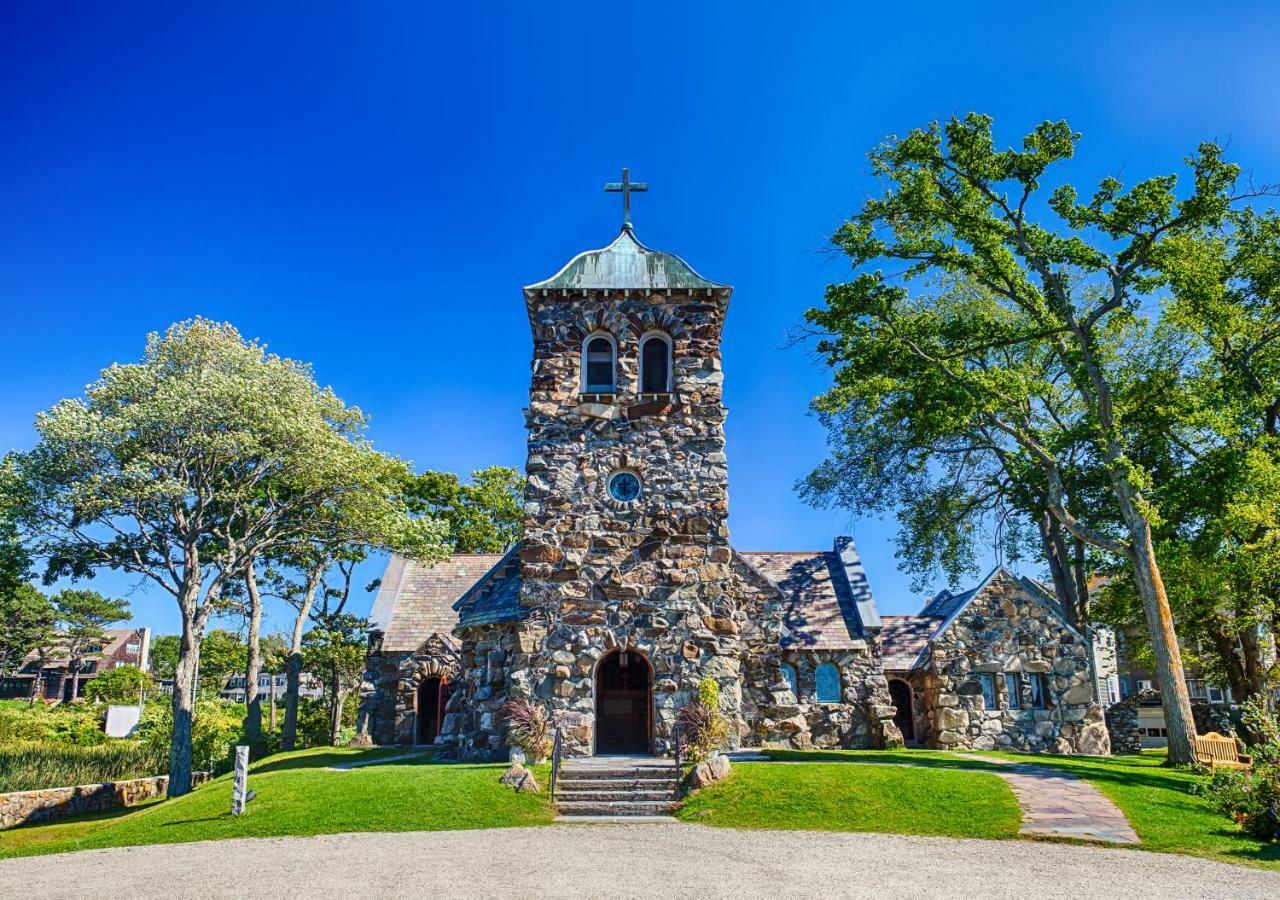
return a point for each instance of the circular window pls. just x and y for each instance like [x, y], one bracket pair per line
[624, 487]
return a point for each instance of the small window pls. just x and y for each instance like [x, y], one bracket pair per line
[1039, 692]
[789, 673]
[1013, 687]
[827, 682]
[598, 366]
[624, 487]
[655, 365]
[988, 684]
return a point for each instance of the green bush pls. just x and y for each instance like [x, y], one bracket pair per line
[216, 728]
[78, 724]
[1252, 799]
[703, 728]
[29, 766]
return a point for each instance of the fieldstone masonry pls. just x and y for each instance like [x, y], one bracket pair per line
[654, 574]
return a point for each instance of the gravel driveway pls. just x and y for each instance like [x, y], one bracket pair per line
[628, 861]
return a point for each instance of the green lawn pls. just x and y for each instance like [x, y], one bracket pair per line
[836, 796]
[298, 795]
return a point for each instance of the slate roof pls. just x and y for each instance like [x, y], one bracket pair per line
[416, 600]
[626, 264]
[827, 601]
[820, 611]
[903, 638]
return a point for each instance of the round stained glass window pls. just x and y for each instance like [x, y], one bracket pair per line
[624, 487]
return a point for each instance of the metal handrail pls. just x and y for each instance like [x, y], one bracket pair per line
[557, 750]
[677, 745]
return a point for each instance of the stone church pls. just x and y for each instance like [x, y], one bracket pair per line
[626, 591]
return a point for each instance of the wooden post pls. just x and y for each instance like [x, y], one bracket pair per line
[239, 794]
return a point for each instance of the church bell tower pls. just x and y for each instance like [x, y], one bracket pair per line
[626, 542]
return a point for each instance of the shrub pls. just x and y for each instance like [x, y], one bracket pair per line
[1252, 799]
[527, 728]
[29, 766]
[78, 724]
[216, 728]
[702, 727]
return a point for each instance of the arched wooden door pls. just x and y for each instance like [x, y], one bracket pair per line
[432, 694]
[624, 703]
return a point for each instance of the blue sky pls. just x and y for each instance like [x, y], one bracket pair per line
[367, 186]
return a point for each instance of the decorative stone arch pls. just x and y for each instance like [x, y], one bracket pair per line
[661, 320]
[622, 687]
[427, 677]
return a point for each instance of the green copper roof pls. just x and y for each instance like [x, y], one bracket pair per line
[626, 264]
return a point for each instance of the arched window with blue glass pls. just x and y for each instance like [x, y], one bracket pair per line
[827, 683]
[789, 675]
[599, 364]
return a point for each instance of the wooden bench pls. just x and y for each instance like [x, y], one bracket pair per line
[1220, 751]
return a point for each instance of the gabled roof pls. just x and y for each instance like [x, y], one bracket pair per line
[827, 601]
[626, 264]
[416, 600]
[904, 634]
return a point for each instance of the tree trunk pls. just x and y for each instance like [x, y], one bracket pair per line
[293, 670]
[75, 681]
[253, 703]
[271, 722]
[335, 713]
[184, 683]
[1170, 676]
[1055, 551]
[1225, 644]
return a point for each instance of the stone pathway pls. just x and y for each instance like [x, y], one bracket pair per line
[1056, 804]
[380, 761]
[1053, 803]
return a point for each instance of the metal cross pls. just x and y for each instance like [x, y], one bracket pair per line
[625, 187]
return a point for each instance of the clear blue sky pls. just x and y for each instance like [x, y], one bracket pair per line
[367, 186]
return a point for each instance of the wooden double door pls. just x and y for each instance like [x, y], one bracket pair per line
[624, 704]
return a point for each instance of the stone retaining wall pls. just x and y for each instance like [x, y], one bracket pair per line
[22, 807]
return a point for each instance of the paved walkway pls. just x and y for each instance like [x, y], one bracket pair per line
[1056, 804]
[623, 861]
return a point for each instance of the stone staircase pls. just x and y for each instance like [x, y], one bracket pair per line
[614, 787]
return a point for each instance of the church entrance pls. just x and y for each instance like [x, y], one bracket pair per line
[900, 694]
[624, 701]
[432, 693]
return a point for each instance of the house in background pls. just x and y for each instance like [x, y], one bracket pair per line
[120, 647]
[308, 686]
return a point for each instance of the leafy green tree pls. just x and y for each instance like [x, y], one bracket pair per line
[164, 655]
[123, 684]
[1063, 299]
[183, 468]
[28, 621]
[82, 616]
[334, 651]
[222, 654]
[15, 560]
[483, 516]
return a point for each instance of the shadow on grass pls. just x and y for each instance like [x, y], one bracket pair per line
[329, 759]
[883, 757]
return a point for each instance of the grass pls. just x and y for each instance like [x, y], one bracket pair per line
[835, 796]
[32, 765]
[298, 795]
[1160, 807]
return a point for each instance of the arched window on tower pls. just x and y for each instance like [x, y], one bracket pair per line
[655, 364]
[598, 365]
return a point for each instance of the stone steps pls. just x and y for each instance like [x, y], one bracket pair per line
[603, 788]
[615, 807]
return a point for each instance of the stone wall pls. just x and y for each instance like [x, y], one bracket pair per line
[779, 718]
[1005, 630]
[22, 807]
[1122, 722]
[389, 687]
